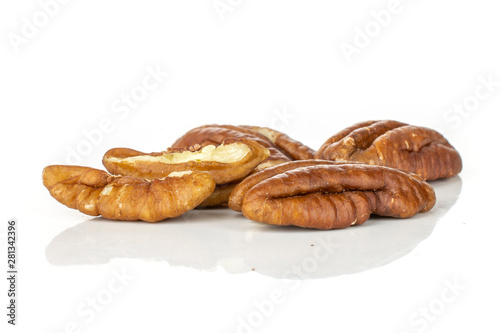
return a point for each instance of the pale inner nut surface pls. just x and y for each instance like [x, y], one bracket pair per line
[226, 162]
[282, 148]
[374, 167]
[179, 173]
[224, 154]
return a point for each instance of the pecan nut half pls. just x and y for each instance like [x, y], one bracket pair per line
[390, 143]
[336, 196]
[237, 194]
[95, 192]
[219, 197]
[293, 148]
[281, 147]
[227, 162]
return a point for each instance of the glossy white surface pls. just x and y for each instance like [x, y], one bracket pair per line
[277, 64]
[220, 238]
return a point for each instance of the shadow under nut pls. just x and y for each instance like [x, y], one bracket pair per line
[336, 196]
[220, 196]
[390, 143]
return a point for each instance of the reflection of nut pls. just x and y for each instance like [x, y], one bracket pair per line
[281, 147]
[394, 144]
[95, 192]
[336, 196]
[226, 162]
[236, 197]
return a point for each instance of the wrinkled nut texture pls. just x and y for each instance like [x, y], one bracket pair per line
[282, 148]
[95, 192]
[226, 162]
[390, 143]
[219, 197]
[336, 196]
[236, 197]
[295, 149]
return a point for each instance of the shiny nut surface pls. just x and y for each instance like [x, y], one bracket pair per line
[390, 143]
[236, 197]
[336, 196]
[226, 162]
[220, 196]
[95, 192]
[281, 147]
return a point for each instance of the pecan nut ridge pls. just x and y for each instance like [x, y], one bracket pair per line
[237, 194]
[95, 192]
[282, 148]
[226, 162]
[390, 143]
[336, 196]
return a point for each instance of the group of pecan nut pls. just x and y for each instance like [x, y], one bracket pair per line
[373, 167]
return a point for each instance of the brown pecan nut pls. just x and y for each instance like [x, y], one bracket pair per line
[390, 143]
[295, 149]
[236, 196]
[281, 147]
[219, 197]
[226, 162]
[336, 196]
[95, 192]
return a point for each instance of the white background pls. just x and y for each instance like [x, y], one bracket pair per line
[268, 63]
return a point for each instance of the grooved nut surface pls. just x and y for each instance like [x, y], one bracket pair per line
[336, 196]
[281, 147]
[116, 162]
[95, 192]
[237, 194]
[390, 143]
[219, 197]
